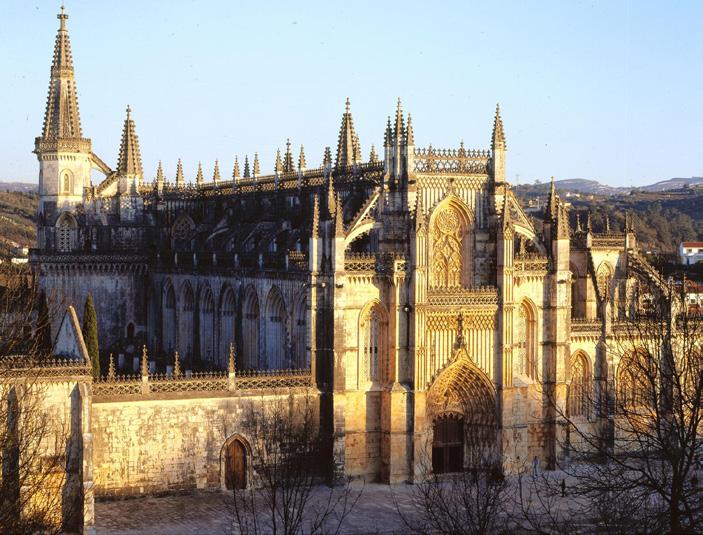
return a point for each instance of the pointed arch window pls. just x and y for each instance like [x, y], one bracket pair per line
[526, 340]
[373, 339]
[580, 387]
[66, 229]
[66, 182]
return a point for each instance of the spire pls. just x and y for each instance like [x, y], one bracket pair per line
[62, 119]
[399, 132]
[257, 169]
[180, 180]
[288, 165]
[301, 159]
[316, 217]
[278, 167]
[246, 167]
[129, 162]
[348, 151]
[216, 172]
[498, 139]
[159, 174]
[373, 157]
[199, 176]
[409, 135]
[235, 172]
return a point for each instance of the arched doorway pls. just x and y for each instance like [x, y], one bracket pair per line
[235, 465]
[448, 444]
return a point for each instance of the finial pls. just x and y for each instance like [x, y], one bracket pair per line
[176, 365]
[111, 368]
[145, 361]
[62, 16]
[231, 362]
[347, 105]
[129, 112]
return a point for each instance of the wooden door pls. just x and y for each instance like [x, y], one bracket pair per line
[448, 445]
[235, 465]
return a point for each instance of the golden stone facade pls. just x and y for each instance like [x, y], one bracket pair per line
[412, 286]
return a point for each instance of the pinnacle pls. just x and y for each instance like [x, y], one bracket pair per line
[373, 157]
[160, 173]
[278, 165]
[180, 180]
[409, 135]
[246, 167]
[199, 176]
[129, 162]
[388, 135]
[216, 173]
[257, 169]
[339, 218]
[498, 139]
[316, 217]
[399, 132]
[235, 171]
[348, 151]
[301, 159]
[288, 160]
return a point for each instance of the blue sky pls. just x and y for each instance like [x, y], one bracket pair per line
[606, 90]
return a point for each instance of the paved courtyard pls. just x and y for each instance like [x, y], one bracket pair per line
[211, 513]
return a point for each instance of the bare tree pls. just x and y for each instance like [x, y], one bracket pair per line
[34, 435]
[287, 494]
[634, 463]
[470, 501]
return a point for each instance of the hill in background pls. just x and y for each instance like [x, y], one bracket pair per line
[18, 211]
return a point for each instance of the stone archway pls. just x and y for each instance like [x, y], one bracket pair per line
[461, 404]
[235, 463]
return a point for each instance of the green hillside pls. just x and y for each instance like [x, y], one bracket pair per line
[17, 221]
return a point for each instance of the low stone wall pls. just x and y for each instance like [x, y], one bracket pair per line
[169, 442]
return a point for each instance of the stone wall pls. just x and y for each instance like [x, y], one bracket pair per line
[151, 446]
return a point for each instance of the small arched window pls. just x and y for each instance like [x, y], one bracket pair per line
[66, 182]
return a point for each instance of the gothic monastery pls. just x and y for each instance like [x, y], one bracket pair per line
[407, 288]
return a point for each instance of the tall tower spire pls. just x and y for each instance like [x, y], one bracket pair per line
[62, 119]
[64, 154]
[129, 162]
[348, 150]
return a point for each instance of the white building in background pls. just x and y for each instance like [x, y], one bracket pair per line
[691, 252]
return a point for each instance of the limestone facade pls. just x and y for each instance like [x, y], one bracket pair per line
[412, 285]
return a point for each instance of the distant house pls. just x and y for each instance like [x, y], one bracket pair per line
[694, 296]
[691, 252]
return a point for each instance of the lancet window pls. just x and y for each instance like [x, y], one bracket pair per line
[580, 387]
[526, 340]
[373, 341]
